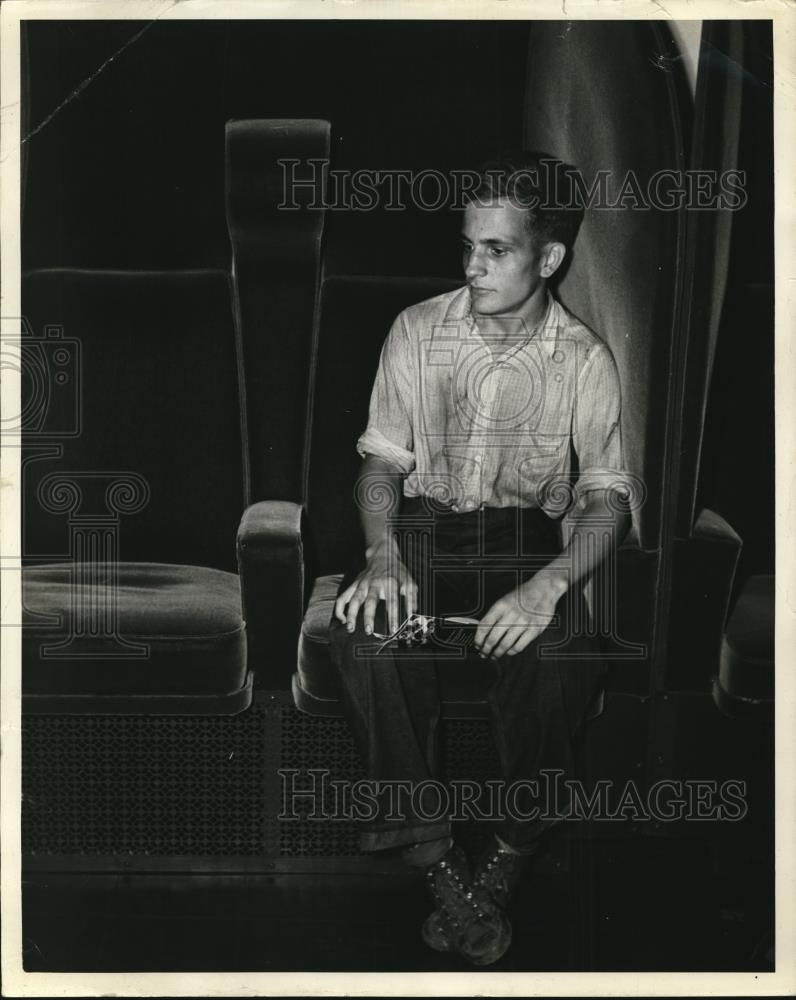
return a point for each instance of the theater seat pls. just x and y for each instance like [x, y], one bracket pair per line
[744, 686]
[179, 632]
[133, 490]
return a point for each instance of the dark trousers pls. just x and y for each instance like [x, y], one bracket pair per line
[462, 563]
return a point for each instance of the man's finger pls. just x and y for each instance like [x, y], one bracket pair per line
[392, 606]
[526, 638]
[513, 633]
[409, 590]
[354, 605]
[352, 612]
[495, 635]
[540, 622]
[369, 609]
[342, 600]
[485, 626]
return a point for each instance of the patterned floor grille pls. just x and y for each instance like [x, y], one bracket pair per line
[203, 787]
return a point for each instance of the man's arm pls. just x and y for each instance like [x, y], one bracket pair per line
[598, 527]
[387, 449]
[385, 578]
[514, 621]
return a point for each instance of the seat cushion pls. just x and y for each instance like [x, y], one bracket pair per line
[461, 681]
[179, 630]
[747, 655]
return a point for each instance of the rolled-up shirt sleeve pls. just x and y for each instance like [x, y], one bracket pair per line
[597, 431]
[390, 431]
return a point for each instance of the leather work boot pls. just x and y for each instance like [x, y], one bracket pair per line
[460, 923]
[497, 873]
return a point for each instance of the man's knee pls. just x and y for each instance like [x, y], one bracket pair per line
[352, 650]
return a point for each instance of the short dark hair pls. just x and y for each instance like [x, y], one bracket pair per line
[540, 183]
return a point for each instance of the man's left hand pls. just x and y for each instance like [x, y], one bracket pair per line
[517, 618]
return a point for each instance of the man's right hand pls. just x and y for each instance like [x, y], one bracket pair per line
[384, 578]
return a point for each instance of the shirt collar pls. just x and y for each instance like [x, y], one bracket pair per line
[546, 332]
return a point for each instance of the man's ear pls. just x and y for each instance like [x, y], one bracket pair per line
[553, 255]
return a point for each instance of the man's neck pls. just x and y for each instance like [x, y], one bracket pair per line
[511, 328]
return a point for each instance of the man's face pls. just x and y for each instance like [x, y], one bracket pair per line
[500, 262]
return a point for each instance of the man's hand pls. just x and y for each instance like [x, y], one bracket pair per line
[517, 618]
[385, 578]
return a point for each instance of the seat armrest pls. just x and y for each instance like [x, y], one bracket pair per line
[703, 575]
[710, 525]
[271, 566]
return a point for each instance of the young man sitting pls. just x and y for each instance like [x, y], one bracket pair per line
[490, 404]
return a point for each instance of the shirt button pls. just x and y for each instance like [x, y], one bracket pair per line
[558, 356]
[478, 458]
[559, 377]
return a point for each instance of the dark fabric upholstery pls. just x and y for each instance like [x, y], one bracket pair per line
[188, 617]
[152, 362]
[356, 315]
[272, 574]
[747, 655]
[626, 625]
[276, 259]
[703, 569]
[132, 469]
[315, 669]
[618, 114]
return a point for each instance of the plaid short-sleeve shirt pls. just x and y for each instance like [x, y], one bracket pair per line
[471, 427]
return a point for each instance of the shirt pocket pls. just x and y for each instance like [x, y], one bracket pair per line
[542, 456]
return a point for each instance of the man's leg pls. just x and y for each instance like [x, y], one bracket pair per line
[539, 697]
[391, 697]
[538, 700]
[538, 704]
[538, 707]
[391, 702]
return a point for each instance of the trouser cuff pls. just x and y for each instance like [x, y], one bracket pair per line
[379, 840]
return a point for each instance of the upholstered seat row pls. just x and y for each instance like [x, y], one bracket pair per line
[133, 487]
